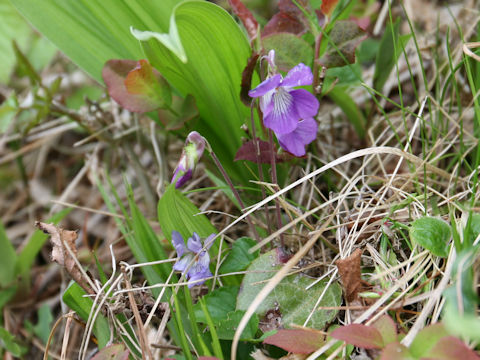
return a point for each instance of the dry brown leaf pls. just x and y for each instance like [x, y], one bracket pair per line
[60, 239]
[350, 275]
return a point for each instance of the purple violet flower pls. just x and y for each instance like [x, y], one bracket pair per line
[296, 141]
[194, 260]
[282, 106]
[191, 154]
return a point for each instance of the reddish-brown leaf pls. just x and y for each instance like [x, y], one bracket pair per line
[344, 38]
[247, 79]
[298, 341]
[363, 336]
[328, 6]
[350, 275]
[289, 19]
[248, 151]
[247, 18]
[450, 347]
[136, 86]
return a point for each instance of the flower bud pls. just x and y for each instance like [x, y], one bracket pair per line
[191, 154]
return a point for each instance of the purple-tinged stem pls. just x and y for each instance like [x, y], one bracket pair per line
[235, 192]
[274, 181]
[260, 170]
[318, 42]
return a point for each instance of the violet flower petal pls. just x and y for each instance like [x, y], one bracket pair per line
[183, 263]
[305, 103]
[267, 85]
[209, 241]
[194, 244]
[300, 75]
[303, 135]
[182, 179]
[178, 243]
[283, 118]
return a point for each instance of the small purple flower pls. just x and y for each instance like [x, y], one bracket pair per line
[282, 106]
[296, 141]
[194, 260]
[191, 154]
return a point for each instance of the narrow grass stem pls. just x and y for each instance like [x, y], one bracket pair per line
[274, 181]
[318, 43]
[259, 165]
[235, 192]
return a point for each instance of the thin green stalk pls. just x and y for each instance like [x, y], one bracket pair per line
[217, 349]
[274, 181]
[193, 322]
[180, 328]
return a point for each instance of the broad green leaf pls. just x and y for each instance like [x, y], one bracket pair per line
[90, 32]
[12, 27]
[294, 302]
[396, 351]
[290, 50]
[8, 110]
[351, 110]
[387, 329]
[45, 318]
[219, 303]
[426, 339]
[146, 247]
[176, 212]
[9, 258]
[74, 298]
[227, 327]
[431, 233]
[217, 52]
[238, 257]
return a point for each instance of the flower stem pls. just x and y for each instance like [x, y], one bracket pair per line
[235, 192]
[274, 181]
[260, 170]
[318, 42]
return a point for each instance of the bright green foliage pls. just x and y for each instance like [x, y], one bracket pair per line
[426, 339]
[388, 53]
[74, 298]
[293, 300]
[90, 32]
[219, 303]
[176, 212]
[9, 343]
[431, 233]
[290, 50]
[227, 327]
[217, 52]
[238, 257]
[12, 28]
[9, 258]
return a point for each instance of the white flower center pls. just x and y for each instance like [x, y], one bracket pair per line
[281, 101]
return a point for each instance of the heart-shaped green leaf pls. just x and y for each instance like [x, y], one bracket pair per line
[431, 233]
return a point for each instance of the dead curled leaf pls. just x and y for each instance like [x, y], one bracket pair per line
[350, 275]
[61, 239]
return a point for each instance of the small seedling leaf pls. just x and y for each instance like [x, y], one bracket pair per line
[363, 336]
[328, 6]
[112, 352]
[246, 16]
[288, 19]
[426, 339]
[450, 347]
[396, 351]
[297, 341]
[387, 328]
[431, 233]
